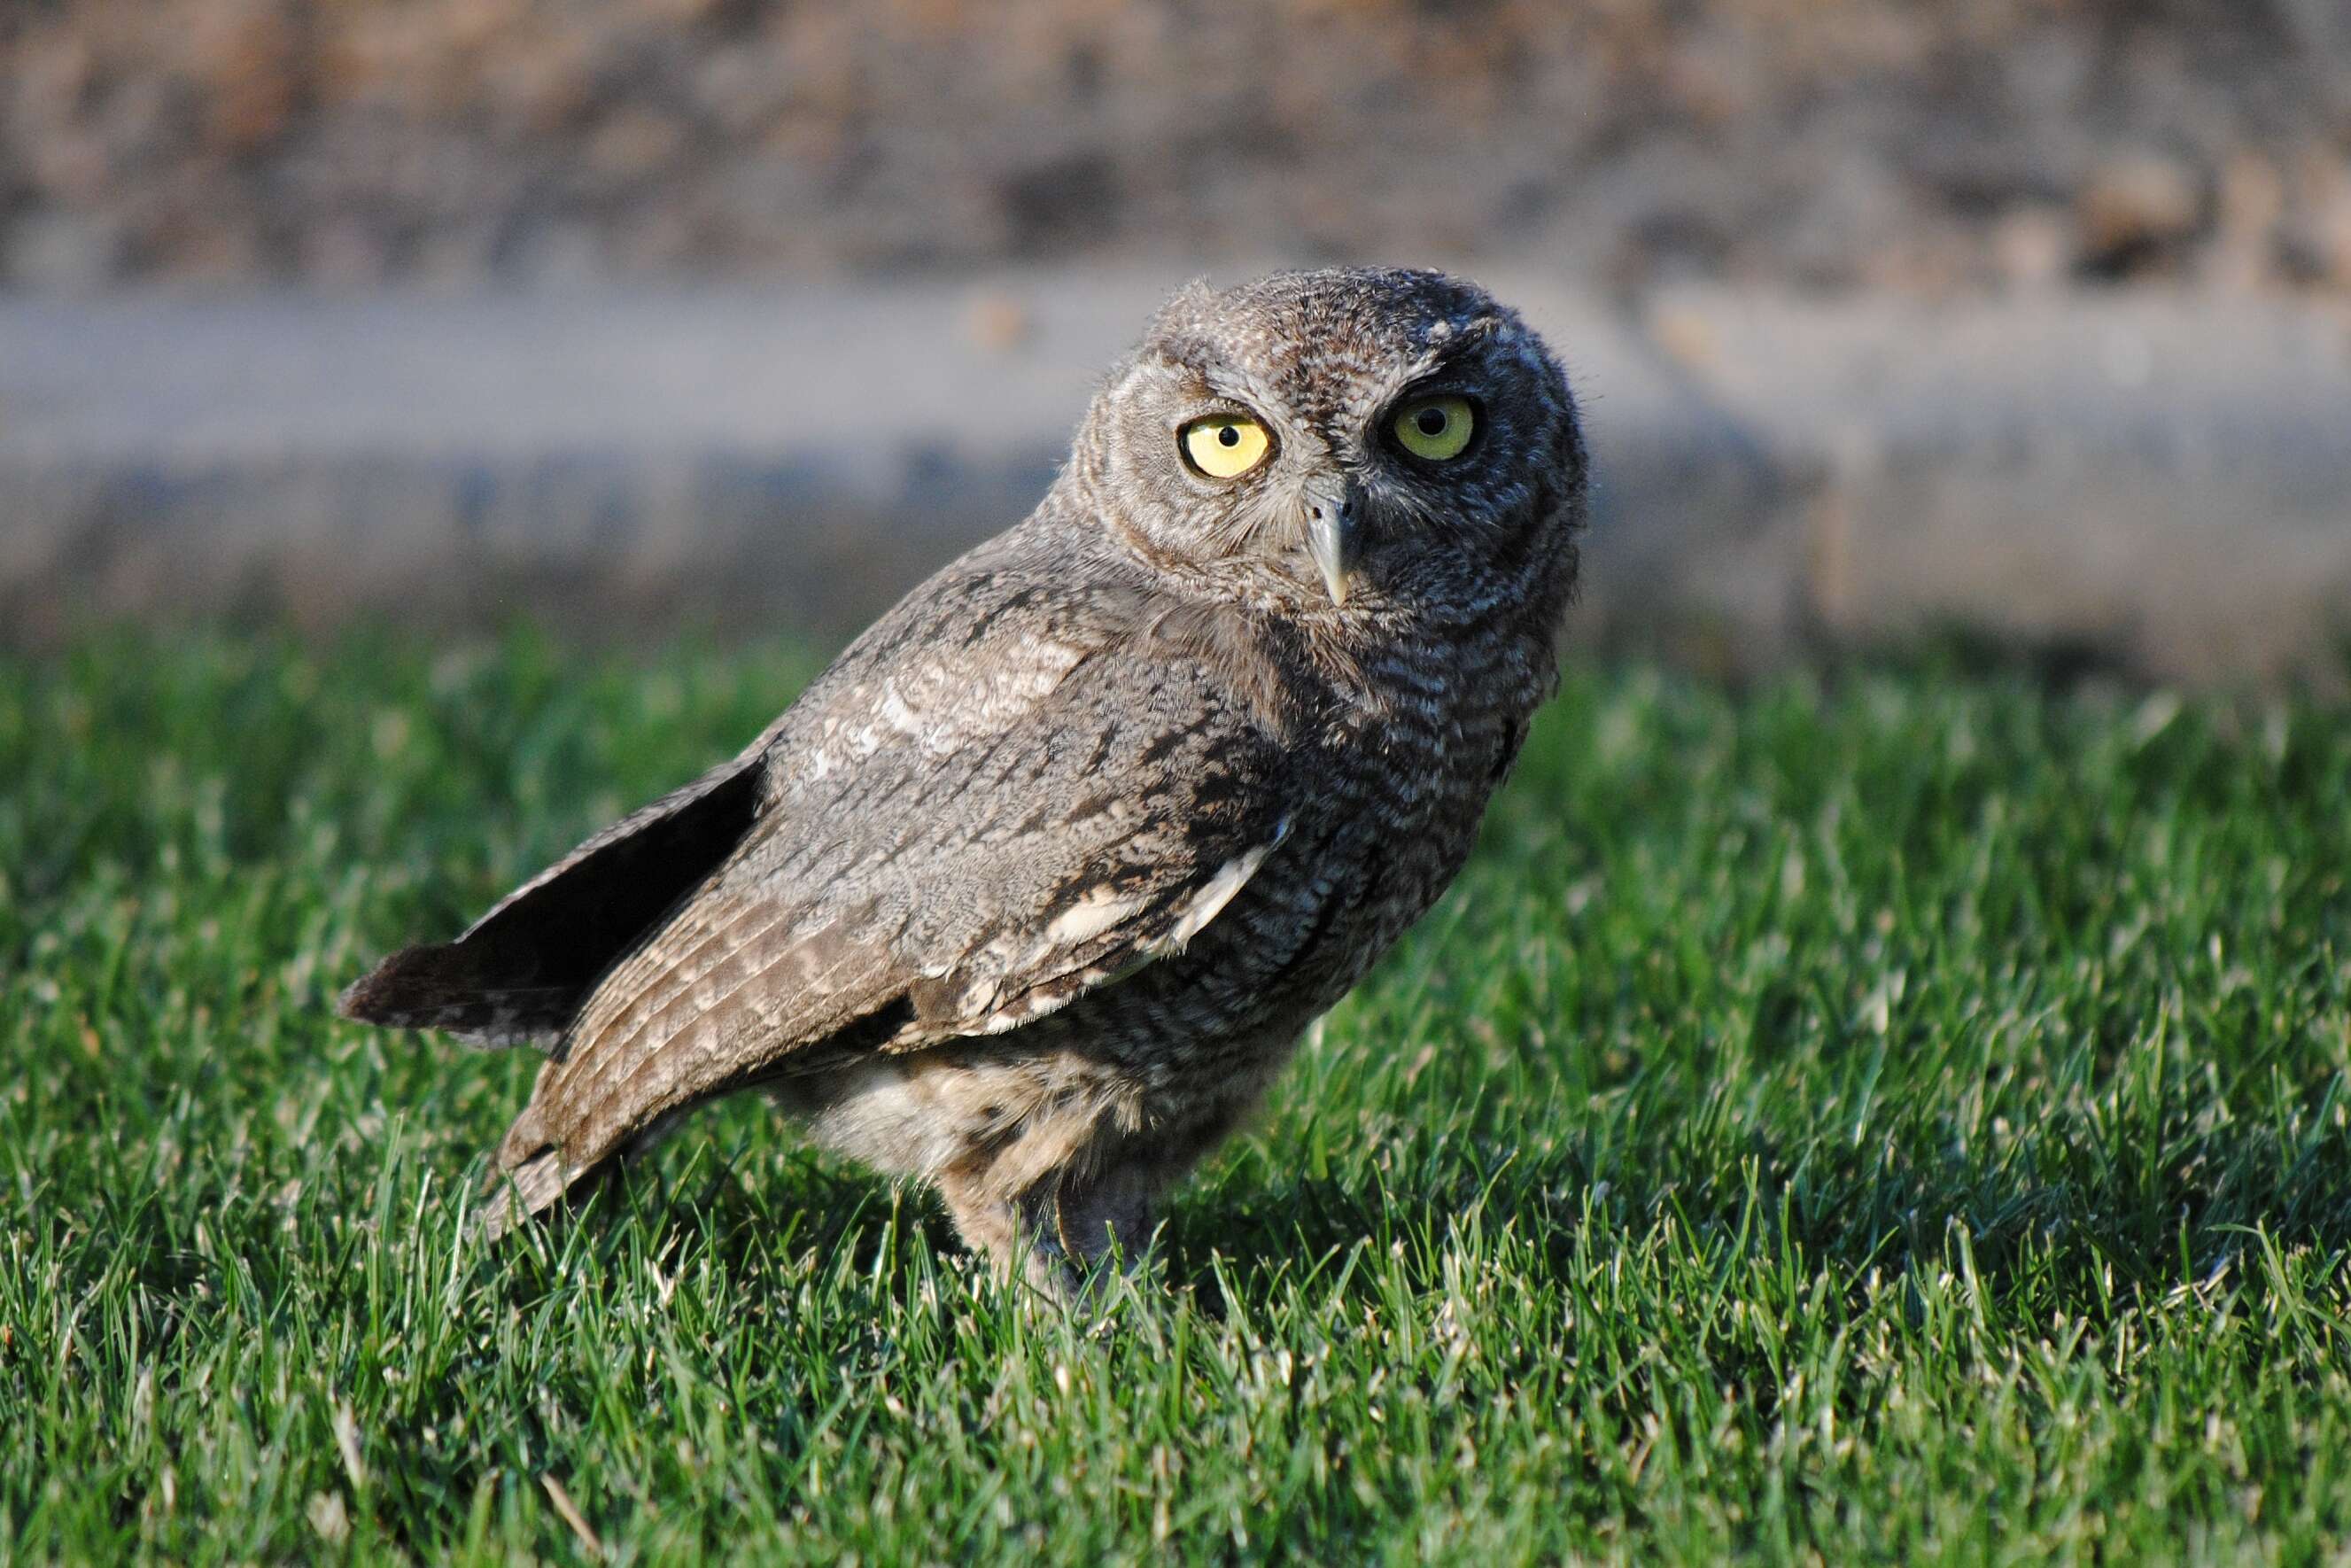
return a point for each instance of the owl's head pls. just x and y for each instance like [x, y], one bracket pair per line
[1344, 440]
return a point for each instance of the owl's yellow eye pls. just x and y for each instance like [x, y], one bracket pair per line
[1437, 428]
[1225, 445]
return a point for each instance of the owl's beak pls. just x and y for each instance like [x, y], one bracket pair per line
[1334, 532]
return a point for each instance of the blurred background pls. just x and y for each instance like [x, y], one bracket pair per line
[2021, 321]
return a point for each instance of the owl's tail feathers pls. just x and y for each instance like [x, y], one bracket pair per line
[446, 986]
[522, 971]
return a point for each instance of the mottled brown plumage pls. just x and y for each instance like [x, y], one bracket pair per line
[1033, 892]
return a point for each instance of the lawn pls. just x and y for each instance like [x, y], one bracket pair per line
[1899, 1113]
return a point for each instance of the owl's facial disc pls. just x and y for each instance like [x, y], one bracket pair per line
[1365, 441]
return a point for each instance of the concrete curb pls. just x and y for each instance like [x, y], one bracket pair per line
[2159, 480]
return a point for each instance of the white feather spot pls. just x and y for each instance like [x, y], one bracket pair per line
[1210, 901]
[1088, 918]
[897, 715]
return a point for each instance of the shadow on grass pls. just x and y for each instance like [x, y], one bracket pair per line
[2068, 1230]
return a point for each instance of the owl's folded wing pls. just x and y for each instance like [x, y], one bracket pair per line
[948, 667]
[922, 892]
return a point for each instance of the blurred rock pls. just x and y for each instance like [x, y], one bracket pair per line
[2245, 243]
[245, 55]
[2031, 245]
[2132, 209]
[2318, 233]
[999, 322]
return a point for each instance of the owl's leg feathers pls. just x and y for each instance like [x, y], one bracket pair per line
[1005, 1231]
[1057, 1228]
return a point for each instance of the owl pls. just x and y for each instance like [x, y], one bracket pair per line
[1033, 891]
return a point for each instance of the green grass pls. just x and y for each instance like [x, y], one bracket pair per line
[1896, 1115]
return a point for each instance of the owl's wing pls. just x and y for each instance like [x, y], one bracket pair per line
[947, 851]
